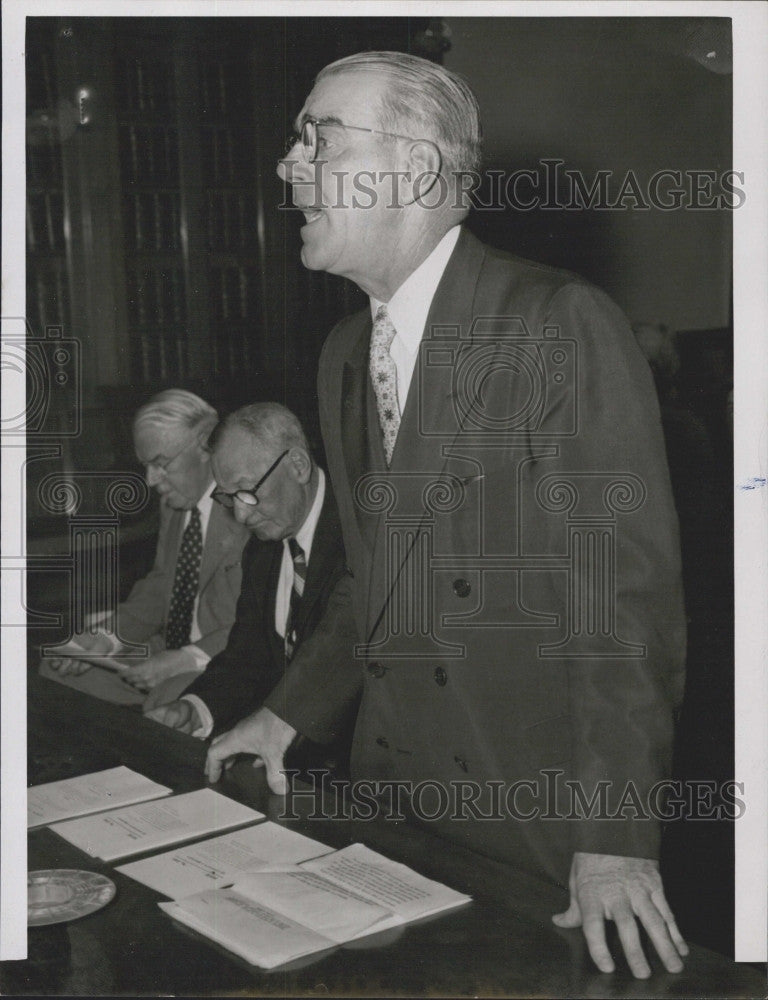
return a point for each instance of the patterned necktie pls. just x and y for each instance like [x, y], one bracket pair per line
[185, 584]
[384, 377]
[297, 592]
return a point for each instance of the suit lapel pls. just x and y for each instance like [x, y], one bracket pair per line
[268, 593]
[219, 538]
[430, 420]
[325, 552]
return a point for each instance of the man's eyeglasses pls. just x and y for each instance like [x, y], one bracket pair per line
[248, 497]
[308, 137]
[168, 462]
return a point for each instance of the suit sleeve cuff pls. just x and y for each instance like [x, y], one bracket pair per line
[203, 713]
[200, 657]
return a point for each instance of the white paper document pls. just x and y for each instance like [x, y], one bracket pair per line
[273, 917]
[108, 661]
[122, 832]
[89, 793]
[212, 864]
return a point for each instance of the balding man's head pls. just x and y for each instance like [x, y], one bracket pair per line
[264, 469]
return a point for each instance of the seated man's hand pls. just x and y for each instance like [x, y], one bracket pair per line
[167, 663]
[263, 734]
[65, 665]
[93, 642]
[608, 887]
[181, 715]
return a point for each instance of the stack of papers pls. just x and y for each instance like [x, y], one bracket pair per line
[122, 832]
[273, 917]
[118, 786]
[266, 893]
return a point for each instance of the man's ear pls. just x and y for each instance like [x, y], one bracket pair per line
[301, 464]
[202, 443]
[424, 162]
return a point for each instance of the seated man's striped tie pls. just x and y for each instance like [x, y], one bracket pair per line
[297, 592]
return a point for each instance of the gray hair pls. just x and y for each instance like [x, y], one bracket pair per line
[272, 425]
[426, 101]
[176, 408]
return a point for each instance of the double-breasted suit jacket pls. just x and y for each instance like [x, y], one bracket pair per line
[515, 573]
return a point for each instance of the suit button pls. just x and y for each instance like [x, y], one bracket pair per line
[441, 677]
[461, 588]
[383, 742]
[376, 669]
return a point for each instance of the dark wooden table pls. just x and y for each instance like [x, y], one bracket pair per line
[502, 944]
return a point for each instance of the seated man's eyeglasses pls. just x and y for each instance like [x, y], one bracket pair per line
[248, 497]
[308, 137]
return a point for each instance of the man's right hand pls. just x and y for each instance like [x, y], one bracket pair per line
[66, 665]
[180, 715]
[263, 734]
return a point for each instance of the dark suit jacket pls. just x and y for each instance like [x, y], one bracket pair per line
[530, 446]
[237, 680]
[142, 616]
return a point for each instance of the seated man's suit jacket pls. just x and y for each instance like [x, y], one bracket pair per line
[238, 679]
[142, 617]
[516, 570]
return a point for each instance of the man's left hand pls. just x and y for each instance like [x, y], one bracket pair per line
[608, 887]
[167, 663]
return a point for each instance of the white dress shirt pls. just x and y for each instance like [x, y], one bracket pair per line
[409, 307]
[305, 537]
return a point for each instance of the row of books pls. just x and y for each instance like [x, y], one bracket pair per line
[264, 892]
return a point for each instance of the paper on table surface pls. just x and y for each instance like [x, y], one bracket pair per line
[121, 832]
[313, 902]
[250, 930]
[89, 793]
[389, 884]
[211, 864]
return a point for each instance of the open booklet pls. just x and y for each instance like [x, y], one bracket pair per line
[89, 793]
[121, 832]
[279, 915]
[220, 861]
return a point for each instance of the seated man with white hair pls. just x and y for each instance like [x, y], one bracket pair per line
[184, 608]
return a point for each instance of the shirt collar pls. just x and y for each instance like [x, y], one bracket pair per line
[206, 501]
[306, 533]
[409, 306]
[205, 505]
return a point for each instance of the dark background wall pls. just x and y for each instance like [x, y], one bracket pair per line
[608, 94]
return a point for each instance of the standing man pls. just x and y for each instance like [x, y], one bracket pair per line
[184, 608]
[493, 439]
[291, 565]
